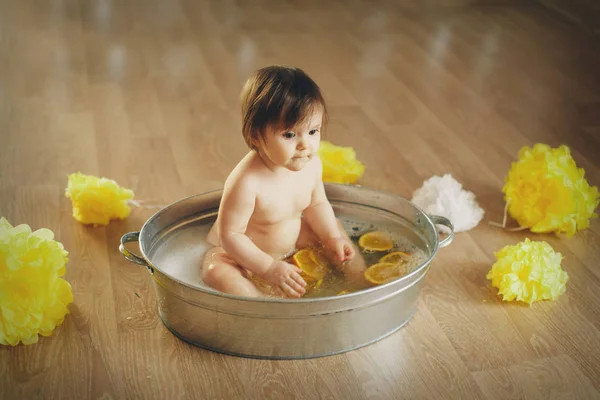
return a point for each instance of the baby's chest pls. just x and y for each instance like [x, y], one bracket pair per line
[281, 201]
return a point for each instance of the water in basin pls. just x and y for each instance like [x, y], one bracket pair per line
[179, 251]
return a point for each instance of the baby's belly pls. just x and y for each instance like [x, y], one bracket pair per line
[276, 240]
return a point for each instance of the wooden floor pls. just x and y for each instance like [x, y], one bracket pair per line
[146, 93]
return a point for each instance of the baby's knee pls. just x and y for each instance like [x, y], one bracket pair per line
[217, 267]
[211, 268]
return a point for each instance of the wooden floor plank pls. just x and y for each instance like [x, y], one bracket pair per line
[147, 93]
[548, 378]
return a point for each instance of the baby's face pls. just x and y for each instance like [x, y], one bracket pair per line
[294, 148]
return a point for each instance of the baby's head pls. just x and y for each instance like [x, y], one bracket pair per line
[279, 98]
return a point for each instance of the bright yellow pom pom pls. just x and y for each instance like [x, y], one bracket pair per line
[33, 296]
[528, 271]
[340, 164]
[97, 200]
[546, 192]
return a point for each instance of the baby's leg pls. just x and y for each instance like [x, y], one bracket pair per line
[222, 273]
[308, 238]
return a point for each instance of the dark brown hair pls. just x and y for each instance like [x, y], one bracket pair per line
[278, 97]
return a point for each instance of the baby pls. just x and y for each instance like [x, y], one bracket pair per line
[274, 200]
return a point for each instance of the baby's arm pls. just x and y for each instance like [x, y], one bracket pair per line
[236, 208]
[320, 217]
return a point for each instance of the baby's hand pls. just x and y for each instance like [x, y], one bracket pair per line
[286, 277]
[341, 247]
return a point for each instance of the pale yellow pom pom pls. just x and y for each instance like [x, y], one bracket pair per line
[340, 164]
[546, 192]
[97, 200]
[34, 296]
[528, 271]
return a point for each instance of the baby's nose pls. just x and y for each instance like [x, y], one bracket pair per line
[302, 144]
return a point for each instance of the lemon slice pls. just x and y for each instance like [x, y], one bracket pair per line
[318, 256]
[376, 241]
[384, 272]
[309, 267]
[395, 257]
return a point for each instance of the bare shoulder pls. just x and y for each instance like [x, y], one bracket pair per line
[244, 176]
[316, 167]
[316, 163]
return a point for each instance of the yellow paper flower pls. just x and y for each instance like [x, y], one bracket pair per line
[528, 271]
[97, 200]
[340, 164]
[33, 296]
[546, 192]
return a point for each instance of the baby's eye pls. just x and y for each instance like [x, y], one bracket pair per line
[313, 132]
[289, 135]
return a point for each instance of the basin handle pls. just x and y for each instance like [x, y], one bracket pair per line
[134, 258]
[437, 219]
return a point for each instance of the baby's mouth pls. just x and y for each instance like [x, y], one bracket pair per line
[304, 156]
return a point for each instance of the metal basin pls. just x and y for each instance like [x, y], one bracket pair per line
[284, 328]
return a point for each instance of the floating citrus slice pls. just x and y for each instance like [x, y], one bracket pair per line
[395, 257]
[318, 256]
[384, 272]
[376, 241]
[309, 267]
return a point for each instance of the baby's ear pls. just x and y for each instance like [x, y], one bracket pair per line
[258, 140]
[255, 142]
